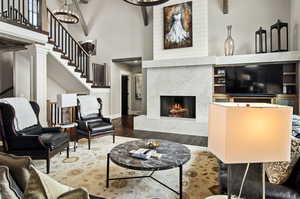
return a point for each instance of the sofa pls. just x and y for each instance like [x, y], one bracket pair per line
[18, 178]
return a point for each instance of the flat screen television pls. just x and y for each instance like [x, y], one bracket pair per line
[254, 79]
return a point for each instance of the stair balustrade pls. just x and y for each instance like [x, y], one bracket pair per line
[71, 50]
[25, 13]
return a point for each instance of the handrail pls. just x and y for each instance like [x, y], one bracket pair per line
[68, 32]
[6, 90]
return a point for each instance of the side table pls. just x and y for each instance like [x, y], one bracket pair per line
[67, 128]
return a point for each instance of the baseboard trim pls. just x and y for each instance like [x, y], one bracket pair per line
[115, 116]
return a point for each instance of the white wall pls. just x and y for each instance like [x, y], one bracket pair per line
[6, 70]
[295, 25]
[246, 17]
[53, 90]
[200, 31]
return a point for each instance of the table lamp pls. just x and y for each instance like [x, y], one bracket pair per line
[67, 101]
[249, 133]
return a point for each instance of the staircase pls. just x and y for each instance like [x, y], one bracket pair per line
[65, 47]
[61, 44]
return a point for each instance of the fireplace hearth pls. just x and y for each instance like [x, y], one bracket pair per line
[178, 106]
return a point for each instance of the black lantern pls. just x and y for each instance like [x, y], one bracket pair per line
[261, 41]
[279, 27]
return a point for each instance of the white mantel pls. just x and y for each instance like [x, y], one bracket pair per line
[225, 60]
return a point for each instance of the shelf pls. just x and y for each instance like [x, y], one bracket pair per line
[289, 73]
[219, 75]
[289, 84]
[219, 85]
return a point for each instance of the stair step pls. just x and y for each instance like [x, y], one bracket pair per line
[64, 57]
[51, 42]
[57, 50]
[89, 81]
[71, 64]
[83, 76]
[94, 86]
[77, 70]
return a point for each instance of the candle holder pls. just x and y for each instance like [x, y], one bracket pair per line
[261, 41]
[278, 27]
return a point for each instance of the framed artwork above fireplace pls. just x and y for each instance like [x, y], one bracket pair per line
[178, 26]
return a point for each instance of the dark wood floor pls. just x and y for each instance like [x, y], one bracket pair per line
[124, 127]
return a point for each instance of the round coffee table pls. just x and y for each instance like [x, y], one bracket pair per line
[174, 155]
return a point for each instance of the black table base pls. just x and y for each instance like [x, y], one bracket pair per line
[180, 193]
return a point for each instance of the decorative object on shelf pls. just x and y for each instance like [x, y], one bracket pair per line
[178, 26]
[90, 46]
[281, 35]
[229, 43]
[229, 140]
[138, 86]
[146, 2]
[221, 71]
[67, 14]
[225, 7]
[261, 41]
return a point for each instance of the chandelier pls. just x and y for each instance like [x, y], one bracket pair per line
[66, 14]
[146, 2]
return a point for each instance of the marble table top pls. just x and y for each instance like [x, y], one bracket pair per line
[173, 155]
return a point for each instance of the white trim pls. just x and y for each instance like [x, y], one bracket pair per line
[115, 116]
[22, 34]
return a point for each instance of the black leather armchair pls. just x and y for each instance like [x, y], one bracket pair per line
[253, 184]
[35, 141]
[94, 125]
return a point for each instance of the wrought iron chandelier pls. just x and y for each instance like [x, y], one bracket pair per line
[66, 14]
[146, 2]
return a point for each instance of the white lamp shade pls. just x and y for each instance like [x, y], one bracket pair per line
[257, 133]
[67, 100]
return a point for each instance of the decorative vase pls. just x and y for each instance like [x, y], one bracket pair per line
[229, 43]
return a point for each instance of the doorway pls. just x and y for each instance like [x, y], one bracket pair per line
[125, 94]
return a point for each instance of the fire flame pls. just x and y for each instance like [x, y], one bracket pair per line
[177, 110]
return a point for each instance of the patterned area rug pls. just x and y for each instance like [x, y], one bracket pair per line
[87, 168]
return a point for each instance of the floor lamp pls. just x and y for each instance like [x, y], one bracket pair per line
[249, 133]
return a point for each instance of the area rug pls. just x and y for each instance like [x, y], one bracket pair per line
[87, 168]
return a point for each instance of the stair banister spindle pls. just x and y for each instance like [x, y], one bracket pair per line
[51, 26]
[13, 9]
[66, 43]
[19, 9]
[23, 11]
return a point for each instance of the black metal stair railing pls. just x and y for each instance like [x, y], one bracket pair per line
[27, 13]
[68, 46]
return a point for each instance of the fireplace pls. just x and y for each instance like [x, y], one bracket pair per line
[178, 106]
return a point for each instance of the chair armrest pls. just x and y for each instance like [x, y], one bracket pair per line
[51, 130]
[79, 193]
[83, 125]
[26, 142]
[107, 120]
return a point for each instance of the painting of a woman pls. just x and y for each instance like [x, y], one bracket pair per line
[178, 26]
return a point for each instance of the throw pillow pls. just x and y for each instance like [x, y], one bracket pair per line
[41, 186]
[79, 193]
[8, 187]
[279, 172]
[18, 167]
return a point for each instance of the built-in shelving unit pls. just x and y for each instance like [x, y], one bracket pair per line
[289, 95]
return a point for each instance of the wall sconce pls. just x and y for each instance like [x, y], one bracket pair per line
[278, 28]
[261, 41]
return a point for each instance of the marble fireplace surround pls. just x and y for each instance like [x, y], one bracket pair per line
[190, 77]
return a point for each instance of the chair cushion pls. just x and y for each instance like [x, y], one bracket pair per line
[18, 167]
[96, 127]
[24, 114]
[33, 130]
[9, 189]
[54, 140]
[88, 105]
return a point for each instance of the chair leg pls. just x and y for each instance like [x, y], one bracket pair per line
[48, 165]
[89, 143]
[114, 138]
[68, 152]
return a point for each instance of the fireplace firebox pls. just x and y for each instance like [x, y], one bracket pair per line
[178, 106]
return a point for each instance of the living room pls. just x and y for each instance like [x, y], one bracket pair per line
[149, 99]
